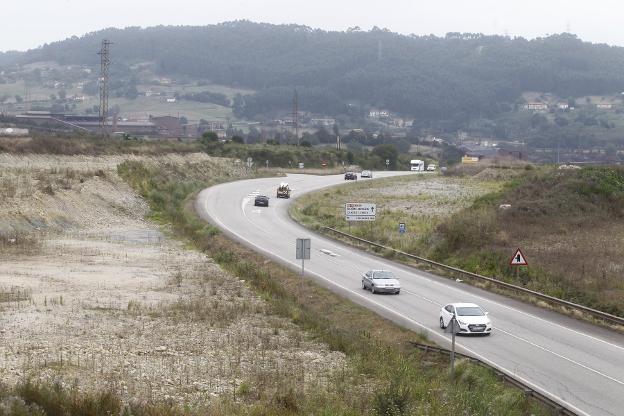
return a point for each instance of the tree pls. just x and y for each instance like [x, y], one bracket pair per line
[238, 139]
[387, 152]
[209, 137]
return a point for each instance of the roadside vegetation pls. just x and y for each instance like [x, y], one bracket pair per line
[405, 382]
[92, 145]
[567, 222]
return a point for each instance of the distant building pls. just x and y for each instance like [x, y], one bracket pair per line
[168, 126]
[323, 122]
[604, 106]
[171, 100]
[536, 106]
[378, 113]
[563, 106]
[466, 159]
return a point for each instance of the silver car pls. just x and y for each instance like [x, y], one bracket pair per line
[381, 281]
[366, 174]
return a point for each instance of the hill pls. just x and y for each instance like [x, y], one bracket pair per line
[453, 78]
[569, 224]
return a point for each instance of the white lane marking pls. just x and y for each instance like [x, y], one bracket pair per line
[527, 314]
[328, 252]
[418, 274]
[422, 326]
[560, 356]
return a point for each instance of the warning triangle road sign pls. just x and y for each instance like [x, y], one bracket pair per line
[518, 259]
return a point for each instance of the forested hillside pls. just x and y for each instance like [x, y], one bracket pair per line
[453, 77]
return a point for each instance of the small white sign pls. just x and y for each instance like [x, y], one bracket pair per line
[360, 211]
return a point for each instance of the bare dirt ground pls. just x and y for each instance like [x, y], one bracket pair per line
[427, 196]
[93, 296]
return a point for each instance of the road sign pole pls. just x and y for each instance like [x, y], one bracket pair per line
[303, 252]
[453, 326]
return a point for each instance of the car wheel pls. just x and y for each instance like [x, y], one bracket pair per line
[363, 285]
[373, 289]
[398, 291]
[442, 323]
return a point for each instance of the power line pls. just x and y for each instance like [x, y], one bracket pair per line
[104, 66]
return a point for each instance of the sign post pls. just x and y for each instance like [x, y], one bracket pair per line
[360, 211]
[387, 164]
[401, 228]
[518, 260]
[303, 253]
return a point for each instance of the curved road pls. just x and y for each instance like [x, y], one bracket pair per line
[579, 365]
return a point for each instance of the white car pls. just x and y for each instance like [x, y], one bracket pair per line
[472, 319]
[381, 281]
[431, 167]
[366, 174]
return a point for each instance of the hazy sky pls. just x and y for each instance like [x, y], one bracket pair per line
[27, 24]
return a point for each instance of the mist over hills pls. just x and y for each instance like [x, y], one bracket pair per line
[456, 77]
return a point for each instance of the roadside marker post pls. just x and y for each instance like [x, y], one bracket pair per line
[401, 228]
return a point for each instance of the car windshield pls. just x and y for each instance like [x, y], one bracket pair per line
[469, 311]
[383, 275]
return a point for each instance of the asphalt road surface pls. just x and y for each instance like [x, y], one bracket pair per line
[577, 364]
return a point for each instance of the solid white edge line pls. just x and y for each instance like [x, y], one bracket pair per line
[427, 329]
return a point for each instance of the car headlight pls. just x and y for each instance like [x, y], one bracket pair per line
[461, 322]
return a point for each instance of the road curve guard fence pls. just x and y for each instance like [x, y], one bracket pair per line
[550, 299]
[528, 391]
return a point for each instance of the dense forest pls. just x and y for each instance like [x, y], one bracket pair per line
[455, 78]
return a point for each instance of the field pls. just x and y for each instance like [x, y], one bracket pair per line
[95, 298]
[420, 201]
[141, 107]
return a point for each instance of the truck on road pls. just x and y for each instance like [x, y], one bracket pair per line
[417, 165]
[283, 190]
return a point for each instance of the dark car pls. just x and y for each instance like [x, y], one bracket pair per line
[261, 200]
[350, 176]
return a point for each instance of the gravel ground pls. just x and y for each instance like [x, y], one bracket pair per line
[92, 295]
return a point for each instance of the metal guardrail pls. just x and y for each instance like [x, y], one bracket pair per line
[528, 391]
[551, 299]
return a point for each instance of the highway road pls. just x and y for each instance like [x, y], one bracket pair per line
[577, 364]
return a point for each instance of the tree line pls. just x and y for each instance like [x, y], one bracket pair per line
[453, 78]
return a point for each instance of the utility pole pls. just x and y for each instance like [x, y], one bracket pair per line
[295, 116]
[104, 66]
